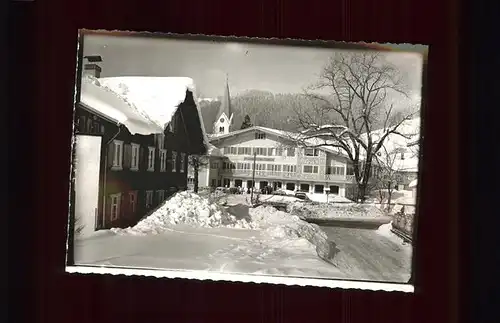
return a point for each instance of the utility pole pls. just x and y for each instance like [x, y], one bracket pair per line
[253, 176]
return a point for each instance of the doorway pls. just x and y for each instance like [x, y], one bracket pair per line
[319, 188]
[334, 189]
[304, 187]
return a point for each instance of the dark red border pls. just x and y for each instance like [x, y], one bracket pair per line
[63, 298]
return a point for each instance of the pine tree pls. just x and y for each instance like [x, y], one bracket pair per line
[246, 122]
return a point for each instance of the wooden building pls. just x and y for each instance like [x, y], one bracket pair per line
[125, 164]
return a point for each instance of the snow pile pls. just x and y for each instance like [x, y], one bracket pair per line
[284, 228]
[331, 198]
[340, 210]
[385, 230]
[185, 208]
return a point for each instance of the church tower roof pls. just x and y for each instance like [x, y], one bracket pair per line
[225, 106]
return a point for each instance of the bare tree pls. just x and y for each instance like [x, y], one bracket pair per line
[197, 162]
[386, 176]
[356, 116]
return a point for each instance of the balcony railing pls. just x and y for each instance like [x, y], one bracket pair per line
[293, 176]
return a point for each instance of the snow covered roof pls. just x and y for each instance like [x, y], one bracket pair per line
[213, 151]
[112, 106]
[151, 100]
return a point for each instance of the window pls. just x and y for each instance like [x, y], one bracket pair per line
[183, 162]
[115, 206]
[151, 159]
[334, 170]
[311, 152]
[161, 195]
[214, 165]
[214, 182]
[260, 167]
[221, 129]
[132, 197]
[260, 151]
[174, 161]
[260, 135]
[350, 170]
[279, 151]
[118, 154]
[228, 165]
[163, 160]
[290, 168]
[402, 156]
[248, 151]
[271, 151]
[310, 169]
[230, 150]
[221, 120]
[89, 125]
[290, 152]
[247, 166]
[149, 199]
[274, 168]
[102, 129]
[134, 163]
[241, 151]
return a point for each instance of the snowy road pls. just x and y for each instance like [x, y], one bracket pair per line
[368, 255]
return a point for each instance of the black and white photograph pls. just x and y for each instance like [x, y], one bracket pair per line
[255, 160]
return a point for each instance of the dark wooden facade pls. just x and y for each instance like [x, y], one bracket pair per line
[120, 151]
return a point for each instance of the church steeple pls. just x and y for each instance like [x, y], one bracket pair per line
[224, 120]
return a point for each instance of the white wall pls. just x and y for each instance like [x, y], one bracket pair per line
[248, 140]
[226, 124]
[87, 167]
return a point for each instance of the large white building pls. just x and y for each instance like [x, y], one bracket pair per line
[279, 161]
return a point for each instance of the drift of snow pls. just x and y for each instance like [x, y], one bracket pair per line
[331, 198]
[385, 230]
[185, 208]
[339, 210]
[283, 228]
[193, 210]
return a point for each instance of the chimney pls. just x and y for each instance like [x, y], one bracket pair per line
[90, 67]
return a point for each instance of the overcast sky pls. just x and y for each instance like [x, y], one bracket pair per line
[278, 69]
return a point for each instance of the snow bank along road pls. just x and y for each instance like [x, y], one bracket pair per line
[368, 254]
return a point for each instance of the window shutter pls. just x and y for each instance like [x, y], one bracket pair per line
[142, 158]
[127, 155]
[123, 209]
[106, 214]
[111, 153]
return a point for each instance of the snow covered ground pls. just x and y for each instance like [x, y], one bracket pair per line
[334, 211]
[190, 232]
